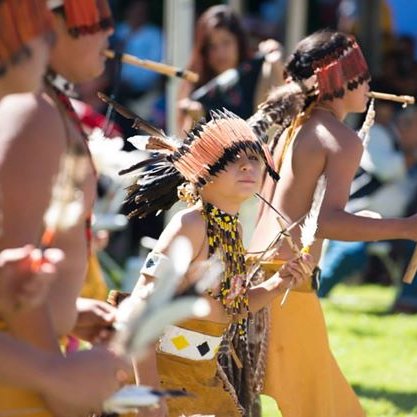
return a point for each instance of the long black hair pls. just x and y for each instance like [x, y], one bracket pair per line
[311, 54]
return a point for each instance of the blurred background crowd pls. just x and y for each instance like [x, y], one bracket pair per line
[237, 48]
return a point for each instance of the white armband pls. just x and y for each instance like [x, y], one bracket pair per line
[155, 264]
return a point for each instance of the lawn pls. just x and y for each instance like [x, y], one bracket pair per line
[376, 351]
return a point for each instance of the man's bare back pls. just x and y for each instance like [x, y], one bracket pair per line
[318, 148]
[324, 145]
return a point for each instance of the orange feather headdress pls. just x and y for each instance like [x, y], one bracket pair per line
[206, 151]
[20, 22]
[84, 17]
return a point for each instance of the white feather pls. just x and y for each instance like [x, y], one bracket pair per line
[131, 397]
[182, 251]
[109, 157]
[139, 142]
[367, 124]
[309, 227]
[63, 216]
[167, 283]
[213, 269]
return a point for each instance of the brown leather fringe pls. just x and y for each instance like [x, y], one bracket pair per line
[228, 387]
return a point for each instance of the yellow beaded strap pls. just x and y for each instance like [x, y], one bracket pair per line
[225, 242]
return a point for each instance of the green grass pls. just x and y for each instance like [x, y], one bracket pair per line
[376, 351]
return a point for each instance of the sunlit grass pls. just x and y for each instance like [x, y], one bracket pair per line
[376, 351]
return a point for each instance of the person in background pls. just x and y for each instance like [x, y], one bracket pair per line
[138, 37]
[221, 44]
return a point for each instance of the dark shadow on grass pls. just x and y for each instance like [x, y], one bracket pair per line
[405, 401]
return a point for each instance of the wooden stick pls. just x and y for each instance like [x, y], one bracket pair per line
[411, 268]
[391, 97]
[165, 69]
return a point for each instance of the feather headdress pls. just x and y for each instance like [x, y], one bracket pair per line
[20, 21]
[206, 151]
[84, 17]
[323, 72]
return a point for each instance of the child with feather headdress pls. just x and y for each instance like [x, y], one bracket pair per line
[215, 169]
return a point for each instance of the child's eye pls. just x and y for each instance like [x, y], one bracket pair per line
[253, 157]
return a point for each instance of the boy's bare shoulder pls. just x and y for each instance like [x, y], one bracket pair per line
[32, 119]
[189, 223]
[32, 139]
[331, 133]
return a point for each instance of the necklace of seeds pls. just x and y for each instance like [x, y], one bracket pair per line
[224, 241]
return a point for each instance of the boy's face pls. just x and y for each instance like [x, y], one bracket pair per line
[239, 180]
[78, 59]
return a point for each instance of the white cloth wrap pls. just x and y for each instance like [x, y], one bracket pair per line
[190, 344]
[155, 264]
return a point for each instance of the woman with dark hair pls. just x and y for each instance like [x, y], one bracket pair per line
[221, 44]
[327, 78]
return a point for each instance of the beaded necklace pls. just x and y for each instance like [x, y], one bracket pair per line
[224, 240]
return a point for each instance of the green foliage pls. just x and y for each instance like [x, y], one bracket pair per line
[377, 351]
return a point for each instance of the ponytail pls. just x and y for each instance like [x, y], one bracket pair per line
[279, 109]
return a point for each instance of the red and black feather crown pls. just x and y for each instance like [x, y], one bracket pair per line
[332, 66]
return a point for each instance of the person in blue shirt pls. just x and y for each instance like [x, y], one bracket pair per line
[136, 36]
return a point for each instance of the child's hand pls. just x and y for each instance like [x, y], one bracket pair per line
[297, 270]
[94, 321]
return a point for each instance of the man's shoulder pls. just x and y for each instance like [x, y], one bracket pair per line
[27, 103]
[328, 130]
[29, 115]
[30, 126]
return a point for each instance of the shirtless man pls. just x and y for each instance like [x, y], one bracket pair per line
[36, 130]
[302, 375]
[20, 285]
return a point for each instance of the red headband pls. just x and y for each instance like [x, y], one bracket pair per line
[334, 75]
